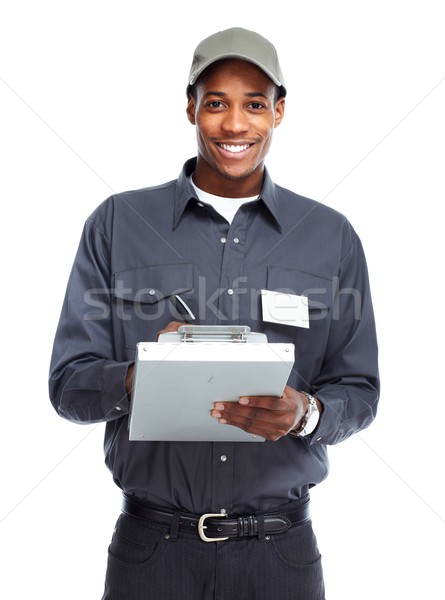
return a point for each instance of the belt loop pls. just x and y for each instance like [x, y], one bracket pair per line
[260, 521]
[251, 521]
[240, 522]
[175, 526]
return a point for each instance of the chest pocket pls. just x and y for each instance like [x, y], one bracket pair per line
[318, 291]
[141, 299]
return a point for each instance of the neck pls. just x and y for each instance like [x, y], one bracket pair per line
[212, 181]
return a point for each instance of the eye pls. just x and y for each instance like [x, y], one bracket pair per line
[214, 104]
[257, 105]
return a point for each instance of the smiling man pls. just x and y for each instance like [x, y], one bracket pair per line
[220, 236]
[235, 110]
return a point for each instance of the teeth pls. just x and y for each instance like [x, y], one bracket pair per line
[233, 148]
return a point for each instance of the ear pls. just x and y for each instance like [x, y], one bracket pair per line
[191, 108]
[279, 110]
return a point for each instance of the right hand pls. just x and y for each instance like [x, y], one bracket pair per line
[172, 326]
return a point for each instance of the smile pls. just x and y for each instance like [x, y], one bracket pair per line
[234, 149]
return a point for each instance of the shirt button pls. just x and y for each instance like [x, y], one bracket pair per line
[223, 458]
[236, 240]
[230, 292]
[223, 240]
[152, 292]
[223, 511]
[118, 408]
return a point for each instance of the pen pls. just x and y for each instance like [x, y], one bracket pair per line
[182, 309]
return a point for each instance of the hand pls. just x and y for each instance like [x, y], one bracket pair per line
[268, 416]
[129, 379]
[172, 326]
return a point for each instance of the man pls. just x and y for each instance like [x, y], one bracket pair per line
[217, 236]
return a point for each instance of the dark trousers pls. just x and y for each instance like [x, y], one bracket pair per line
[146, 562]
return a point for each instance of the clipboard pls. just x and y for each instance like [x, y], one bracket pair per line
[178, 378]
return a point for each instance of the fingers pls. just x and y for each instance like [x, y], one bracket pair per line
[266, 402]
[129, 379]
[172, 326]
[269, 430]
[266, 429]
[258, 406]
[268, 416]
[262, 430]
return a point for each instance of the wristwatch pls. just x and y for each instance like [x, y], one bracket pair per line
[310, 419]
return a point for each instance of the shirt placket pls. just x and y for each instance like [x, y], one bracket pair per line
[232, 287]
[232, 279]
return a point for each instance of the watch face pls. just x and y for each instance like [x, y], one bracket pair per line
[312, 422]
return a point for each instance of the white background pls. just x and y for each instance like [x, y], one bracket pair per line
[92, 102]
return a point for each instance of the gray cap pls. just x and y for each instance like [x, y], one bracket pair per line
[237, 43]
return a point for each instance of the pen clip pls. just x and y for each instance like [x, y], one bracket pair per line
[182, 309]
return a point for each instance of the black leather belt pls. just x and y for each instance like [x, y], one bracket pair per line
[213, 527]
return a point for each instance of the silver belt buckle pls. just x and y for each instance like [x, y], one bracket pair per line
[201, 528]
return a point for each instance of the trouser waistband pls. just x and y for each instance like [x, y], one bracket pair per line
[213, 527]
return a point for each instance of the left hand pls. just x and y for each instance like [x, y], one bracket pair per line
[268, 416]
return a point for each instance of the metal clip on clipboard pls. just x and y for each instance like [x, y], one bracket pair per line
[213, 333]
[178, 378]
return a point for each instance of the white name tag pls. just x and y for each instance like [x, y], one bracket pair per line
[286, 309]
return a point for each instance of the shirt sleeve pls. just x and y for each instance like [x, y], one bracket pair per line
[348, 382]
[86, 382]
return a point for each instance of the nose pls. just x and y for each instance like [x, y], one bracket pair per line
[235, 121]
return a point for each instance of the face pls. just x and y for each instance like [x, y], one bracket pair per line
[235, 113]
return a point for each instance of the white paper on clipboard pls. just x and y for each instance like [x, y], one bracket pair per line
[176, 384]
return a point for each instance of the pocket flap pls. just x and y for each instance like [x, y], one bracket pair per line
[318, 290]
[150, 284]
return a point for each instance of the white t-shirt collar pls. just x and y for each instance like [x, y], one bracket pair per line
[226, 207]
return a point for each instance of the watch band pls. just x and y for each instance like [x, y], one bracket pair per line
[310, 419]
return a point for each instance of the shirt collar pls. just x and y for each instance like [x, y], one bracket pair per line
[185, 193]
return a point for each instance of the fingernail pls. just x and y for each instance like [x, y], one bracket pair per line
[244, 400]
[218, 406]
[216, 414]
[223, 421]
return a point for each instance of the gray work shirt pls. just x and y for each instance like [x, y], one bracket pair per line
[140, 247]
